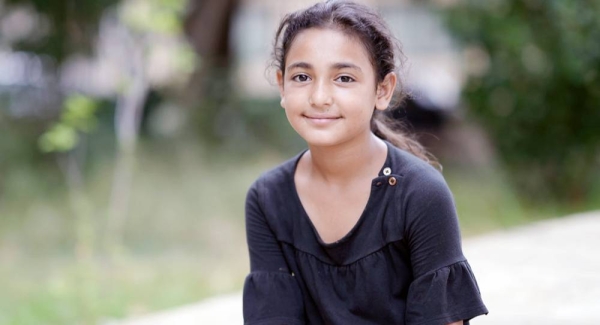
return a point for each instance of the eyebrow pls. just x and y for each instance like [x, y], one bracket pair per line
[336, 66]
[345, 65]
[299, 65]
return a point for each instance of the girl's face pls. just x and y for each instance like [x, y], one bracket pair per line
[329, 87]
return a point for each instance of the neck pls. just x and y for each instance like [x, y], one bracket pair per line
[345, 162]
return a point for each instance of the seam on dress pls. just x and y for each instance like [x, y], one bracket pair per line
[442, 267]
[344, 265]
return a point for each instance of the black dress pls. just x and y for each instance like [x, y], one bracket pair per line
[402, 262]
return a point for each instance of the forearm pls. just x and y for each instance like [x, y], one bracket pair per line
[460, 322]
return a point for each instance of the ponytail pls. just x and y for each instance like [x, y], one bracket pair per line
[388, 129]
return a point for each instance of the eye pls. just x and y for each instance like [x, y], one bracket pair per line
[345, 79]
[300, 78]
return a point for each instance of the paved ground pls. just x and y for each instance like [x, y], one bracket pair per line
[544, 273]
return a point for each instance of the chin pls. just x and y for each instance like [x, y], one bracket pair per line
[321, 143]
[322, 139]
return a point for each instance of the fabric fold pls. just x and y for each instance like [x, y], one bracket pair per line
[272, 298]
[443, 296]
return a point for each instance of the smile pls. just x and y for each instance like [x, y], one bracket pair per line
[321, 120]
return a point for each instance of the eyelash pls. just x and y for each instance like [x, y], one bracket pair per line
[351, 79]
[295, 78]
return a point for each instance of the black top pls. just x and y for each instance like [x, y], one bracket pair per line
[402, 262]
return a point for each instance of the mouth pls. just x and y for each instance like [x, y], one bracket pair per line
[321, 119]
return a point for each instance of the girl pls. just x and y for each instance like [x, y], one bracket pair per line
[359, 228]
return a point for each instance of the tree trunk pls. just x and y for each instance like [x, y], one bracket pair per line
[208, 26]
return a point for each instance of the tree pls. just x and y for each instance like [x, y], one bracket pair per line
[208, 28]
[534, 84]
[71, 26]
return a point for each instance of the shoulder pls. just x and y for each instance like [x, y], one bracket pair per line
[415, 172]
[277, 180]
[272, 199]
[428, 206]
[422, 184]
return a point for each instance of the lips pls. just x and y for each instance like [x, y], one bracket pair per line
[321, 119]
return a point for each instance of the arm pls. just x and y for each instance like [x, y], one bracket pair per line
[432, 227]
[444, 290]
[265, 252]
[271, 294]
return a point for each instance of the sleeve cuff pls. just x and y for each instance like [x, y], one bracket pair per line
[272, 298]
[446, 295]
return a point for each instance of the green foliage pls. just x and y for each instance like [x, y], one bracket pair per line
[72, 26]
[534, 83]
[58, 138]
[78, 115]
[158, 16]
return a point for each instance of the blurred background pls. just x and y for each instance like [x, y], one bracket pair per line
[130, 131]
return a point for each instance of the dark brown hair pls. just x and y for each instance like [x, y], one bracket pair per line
[385, 54]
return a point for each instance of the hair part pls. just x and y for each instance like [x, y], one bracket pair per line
[385, 54]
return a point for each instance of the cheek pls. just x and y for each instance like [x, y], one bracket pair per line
[362, 103]
[294, 99]
[293, 115]
[361, 94]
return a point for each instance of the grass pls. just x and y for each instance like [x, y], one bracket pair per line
[71, 292]
[183, 239]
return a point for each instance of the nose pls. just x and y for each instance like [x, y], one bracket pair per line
[320, 95]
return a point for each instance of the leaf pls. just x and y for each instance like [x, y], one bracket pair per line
[59, 138]
[79, 113]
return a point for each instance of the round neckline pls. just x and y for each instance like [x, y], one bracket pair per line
[305, 215]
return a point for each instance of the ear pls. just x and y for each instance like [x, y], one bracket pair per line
[280, 85]
[385, 91]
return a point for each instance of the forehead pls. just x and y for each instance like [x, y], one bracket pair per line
[325, 47]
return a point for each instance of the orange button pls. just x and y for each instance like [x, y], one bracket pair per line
[392, 181]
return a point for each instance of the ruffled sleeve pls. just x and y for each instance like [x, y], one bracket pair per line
[444, 289]
[272, 299]
[444, 296]
[272, 295]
